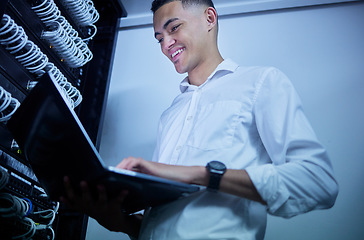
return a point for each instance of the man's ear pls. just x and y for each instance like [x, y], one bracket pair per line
[211, 17]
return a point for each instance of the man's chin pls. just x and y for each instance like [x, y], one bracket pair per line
[180, 72]
[179, 68]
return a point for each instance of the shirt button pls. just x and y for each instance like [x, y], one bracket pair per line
[189, 118]
[178, 148]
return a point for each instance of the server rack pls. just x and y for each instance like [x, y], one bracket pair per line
[86, 80]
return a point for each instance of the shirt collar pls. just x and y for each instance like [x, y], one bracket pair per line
[225, 67]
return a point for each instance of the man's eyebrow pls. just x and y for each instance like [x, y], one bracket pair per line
[169, 21]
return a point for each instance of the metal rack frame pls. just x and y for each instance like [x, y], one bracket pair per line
[92, 80]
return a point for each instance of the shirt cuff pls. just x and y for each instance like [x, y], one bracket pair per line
[269, 185]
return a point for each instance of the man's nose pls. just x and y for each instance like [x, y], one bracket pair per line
[168, 43]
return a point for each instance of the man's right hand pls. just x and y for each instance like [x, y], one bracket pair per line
[107, 212]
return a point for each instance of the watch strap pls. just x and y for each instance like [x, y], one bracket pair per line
[216, 170]
[214, 182]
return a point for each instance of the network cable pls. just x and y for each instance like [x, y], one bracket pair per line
[35, 61]
[8, 105]
[74, 52]
[84, 14]
[62, 37]
[21, 211]
[15, 40]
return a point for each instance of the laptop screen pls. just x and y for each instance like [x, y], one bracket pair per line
[52, 137]
[56, 145]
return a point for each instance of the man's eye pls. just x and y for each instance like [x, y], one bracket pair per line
[160, 40]
[175, 28]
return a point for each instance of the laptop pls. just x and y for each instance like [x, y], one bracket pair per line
[55, 144]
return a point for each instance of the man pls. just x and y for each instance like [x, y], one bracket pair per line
[249, 119]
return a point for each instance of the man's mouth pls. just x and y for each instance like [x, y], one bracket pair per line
[177, 52]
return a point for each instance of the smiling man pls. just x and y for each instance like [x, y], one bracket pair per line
[250, 119]
[188, 38]
[239, 131]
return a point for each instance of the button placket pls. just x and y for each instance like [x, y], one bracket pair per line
[187, 127]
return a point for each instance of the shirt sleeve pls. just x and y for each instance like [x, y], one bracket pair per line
[300, 177]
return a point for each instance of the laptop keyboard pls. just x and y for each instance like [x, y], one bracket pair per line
[122, 171]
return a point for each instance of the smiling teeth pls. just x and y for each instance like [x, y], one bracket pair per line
[177, 52]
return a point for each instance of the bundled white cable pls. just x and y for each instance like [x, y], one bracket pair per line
[74, 52]
[84, 13]
[8, 105]
[12, 206]
[30, 229]
[73, 94]
[48, 215]
[48, 12]
[16, 42]
[35, 61]
[12, 36]
[62, 36]
[20, 210]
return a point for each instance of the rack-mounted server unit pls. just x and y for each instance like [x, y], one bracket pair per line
[75, 41]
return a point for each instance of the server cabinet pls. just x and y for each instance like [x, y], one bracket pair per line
[75, 41]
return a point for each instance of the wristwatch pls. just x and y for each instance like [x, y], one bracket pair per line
[216, 170]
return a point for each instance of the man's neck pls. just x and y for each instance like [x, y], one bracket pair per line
[200, 74]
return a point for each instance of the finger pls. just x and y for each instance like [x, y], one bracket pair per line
[86, 196]
[120, 199]
[68, 188]
[69, 199]
[102, 194]
[131, 163]
[121, 164]
[125, 163]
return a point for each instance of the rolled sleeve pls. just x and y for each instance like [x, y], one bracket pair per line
[300, 177]
[270, 187]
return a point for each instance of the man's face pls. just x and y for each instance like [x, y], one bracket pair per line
[181, 34]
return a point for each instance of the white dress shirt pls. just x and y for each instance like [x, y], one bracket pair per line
[249, 118]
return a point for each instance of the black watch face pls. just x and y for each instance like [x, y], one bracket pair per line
[217, 165]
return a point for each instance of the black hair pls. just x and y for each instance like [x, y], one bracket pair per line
[156, 4]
